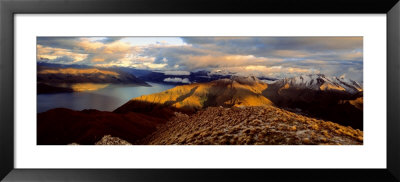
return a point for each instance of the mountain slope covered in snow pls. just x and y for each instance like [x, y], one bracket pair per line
[321, 82]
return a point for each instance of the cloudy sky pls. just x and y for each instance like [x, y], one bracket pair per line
[261, 56]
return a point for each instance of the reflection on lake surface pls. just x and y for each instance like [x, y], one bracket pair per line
[105, 99]
[80, 87]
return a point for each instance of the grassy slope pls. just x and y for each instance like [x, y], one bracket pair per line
[202, 95]
[251, 125]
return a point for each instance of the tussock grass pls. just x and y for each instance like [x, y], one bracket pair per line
[251, 126]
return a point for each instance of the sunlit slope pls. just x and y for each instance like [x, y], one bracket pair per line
[238, 91]
[60, 75]
[358, 102]
[267, 125]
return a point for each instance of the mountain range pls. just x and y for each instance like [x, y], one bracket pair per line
[156, 76]
[85, 75]
[53, 78]
[320, 82]
[338, 100]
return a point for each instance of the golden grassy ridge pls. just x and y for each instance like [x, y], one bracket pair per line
[198, 96]
[74, 71]
[266, 125]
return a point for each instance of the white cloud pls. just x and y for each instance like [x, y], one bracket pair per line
[268, 81]
[176, 73]
[154, 66]
[177, 80]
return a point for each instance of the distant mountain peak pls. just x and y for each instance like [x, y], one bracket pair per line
[322, 82]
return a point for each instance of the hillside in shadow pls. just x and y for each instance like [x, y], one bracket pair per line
[340, 107]
[64, 126]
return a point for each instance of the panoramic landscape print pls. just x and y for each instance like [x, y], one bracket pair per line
[199, 90]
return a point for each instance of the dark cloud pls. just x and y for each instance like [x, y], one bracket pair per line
[59, 60]
[63, 59]
[327, 48]
[58, 42]
[291, 49]
[107, 40]
[255, 44]
[72, 42]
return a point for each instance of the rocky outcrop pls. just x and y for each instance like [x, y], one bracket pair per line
[109, 140]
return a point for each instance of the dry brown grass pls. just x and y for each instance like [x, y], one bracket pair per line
[251, 126]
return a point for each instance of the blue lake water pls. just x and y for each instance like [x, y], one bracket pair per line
[106, 99]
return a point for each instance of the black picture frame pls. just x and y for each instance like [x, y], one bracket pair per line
[9, 8]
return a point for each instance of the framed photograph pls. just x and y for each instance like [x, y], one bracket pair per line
[154, 91]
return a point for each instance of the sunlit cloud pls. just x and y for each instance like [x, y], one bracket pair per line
[352, 56]
[291, 53]
[151, 66]
[97, 59]
[116, 47]
[89, 45]
[49, 53]
[197, 62]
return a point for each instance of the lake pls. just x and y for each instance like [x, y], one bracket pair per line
[108, 98]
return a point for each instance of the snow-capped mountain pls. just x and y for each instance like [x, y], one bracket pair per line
[321, 82]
